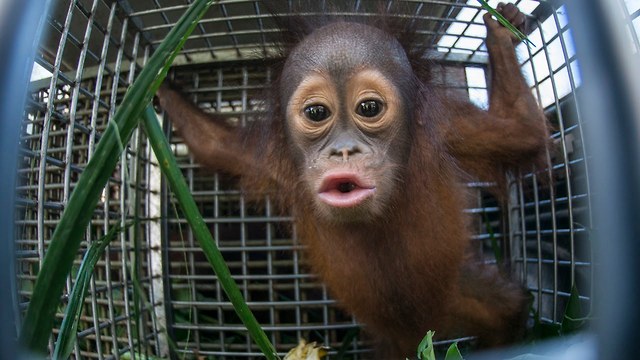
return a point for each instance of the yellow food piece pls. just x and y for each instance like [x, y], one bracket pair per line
[306, 351]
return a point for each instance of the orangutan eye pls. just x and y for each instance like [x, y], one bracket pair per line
[369, 108]
[316, 113]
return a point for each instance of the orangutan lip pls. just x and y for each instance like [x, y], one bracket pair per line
[344, 190]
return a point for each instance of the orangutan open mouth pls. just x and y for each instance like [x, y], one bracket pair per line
[344, 190]
[346, 187]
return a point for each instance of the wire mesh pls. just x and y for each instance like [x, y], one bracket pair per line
[90, 56]
[556, 219]
[92, 65]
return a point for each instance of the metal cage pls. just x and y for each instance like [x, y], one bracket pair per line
[153, 291]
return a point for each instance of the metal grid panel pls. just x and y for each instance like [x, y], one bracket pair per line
[552, 225]
[260, 247]
[244, 29]
[552, 210]
[544, 230]
[546, 257]
[257, 244]
[90, 68]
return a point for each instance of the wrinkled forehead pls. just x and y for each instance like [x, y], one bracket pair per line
[341, 49]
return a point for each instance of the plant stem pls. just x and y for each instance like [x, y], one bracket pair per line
[506, 23]
[179, 186]
[67, 336]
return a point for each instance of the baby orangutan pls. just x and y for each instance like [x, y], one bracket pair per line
[370, 158]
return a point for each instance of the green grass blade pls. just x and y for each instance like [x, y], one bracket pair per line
[425, 348]
[67, 236]
[501, 19]
[181, 190]
[69, 327]
[453, 353]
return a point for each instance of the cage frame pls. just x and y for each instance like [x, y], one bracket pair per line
[564, 148]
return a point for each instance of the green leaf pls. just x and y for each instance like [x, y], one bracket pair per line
[453, 353]
[67, 236]
[506, 23]
[69, 327]
[179, 186]
[572, 320]
[425, 348]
